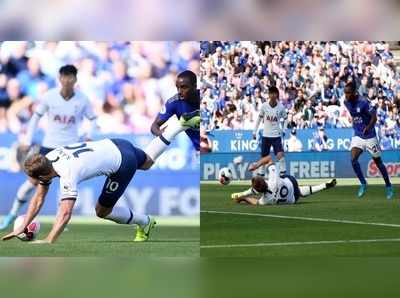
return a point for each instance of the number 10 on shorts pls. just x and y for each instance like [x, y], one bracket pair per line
[112, 185]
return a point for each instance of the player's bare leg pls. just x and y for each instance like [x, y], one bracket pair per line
[355, 154]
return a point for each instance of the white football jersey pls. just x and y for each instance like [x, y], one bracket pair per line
[81, 161]
[280, 190]
[63, 117]
[272, 117]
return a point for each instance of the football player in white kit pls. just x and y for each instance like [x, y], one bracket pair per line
[273, 113]
[117, 159]
[276, 189]
[65, 108]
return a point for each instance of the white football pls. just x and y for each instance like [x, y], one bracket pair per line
[225, 176]
[31, 230]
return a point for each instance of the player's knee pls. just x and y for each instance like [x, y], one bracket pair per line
[259, 184]
[354, 160]
[102, 212]
[147, 164]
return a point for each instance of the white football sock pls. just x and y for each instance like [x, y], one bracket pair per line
[309, 190]
[158, 145]
[126, 216]
[24, 193]
[282, 166]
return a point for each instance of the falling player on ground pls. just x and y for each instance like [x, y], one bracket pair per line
[273, 114]
[117, 159]
[276, 189]
[65, 108]
[185, 105]
[364, 119]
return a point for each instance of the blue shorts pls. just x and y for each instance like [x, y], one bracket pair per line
[45, 150]
[116, 184]
[296, 189]
[266, 144]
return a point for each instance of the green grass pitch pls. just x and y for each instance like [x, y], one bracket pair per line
[330, 223]
[97, 238]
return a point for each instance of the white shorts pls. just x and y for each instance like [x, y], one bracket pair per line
[371, 145]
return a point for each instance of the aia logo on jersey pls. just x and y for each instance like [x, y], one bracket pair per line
[64, 119]
[271, 118]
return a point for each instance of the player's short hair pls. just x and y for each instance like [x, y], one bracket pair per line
[352, 85]
[37, 165]
[273, 89]
[68, 69]
[190, 75]
[258, 183]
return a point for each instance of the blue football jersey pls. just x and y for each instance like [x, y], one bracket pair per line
[177, 106]
[361, 112]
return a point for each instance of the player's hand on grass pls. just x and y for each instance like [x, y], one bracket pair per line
[11, 235]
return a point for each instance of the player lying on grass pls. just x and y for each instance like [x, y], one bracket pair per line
[117, 159]
[276, 189]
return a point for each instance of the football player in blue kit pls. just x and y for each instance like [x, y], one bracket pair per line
[364, 119]
[185, 105]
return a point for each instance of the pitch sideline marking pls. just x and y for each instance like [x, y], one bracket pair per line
[304, 218]
[301, 243]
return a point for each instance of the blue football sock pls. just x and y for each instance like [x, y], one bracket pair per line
[357, 170]
[383, 170]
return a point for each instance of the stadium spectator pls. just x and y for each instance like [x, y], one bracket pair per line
[294, 144]
[309, 75]
[205, 142]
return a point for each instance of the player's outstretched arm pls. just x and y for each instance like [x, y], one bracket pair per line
[34, 207]
[156, 126]
[266, 160]
[63, 216]
[248, 200]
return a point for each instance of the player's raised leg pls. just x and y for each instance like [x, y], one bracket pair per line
[174, 126]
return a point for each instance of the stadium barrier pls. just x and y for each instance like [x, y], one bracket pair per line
[170, 188]
[230, 141]
[325, 164]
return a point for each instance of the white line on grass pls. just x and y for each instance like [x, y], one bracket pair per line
[301, 243]
[305, 218]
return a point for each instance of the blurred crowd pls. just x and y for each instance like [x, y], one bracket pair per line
[310, 76]
[126, 82]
